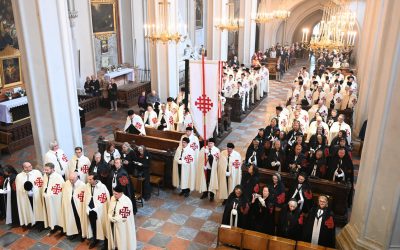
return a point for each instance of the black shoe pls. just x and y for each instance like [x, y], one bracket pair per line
[186, 194]
[181, 193]
[93, 244]
[52, 231]
[71, 237]
[212, 198]
[205, 194]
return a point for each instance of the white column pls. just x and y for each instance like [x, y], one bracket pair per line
[247, 35]
[217, 40]
[44, 37]
[163, 60]
[374, 222]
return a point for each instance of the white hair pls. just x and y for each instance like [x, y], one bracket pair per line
[53, 144]
[293, 202]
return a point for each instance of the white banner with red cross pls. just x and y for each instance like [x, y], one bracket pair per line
[204, 99]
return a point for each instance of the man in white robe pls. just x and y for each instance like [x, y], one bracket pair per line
[97, 198]
[320, 108]
[73, 206]
[264, 79]
[229, 171]
[150, 117]
[53, 184]
[121, 221]
[193, 142]
[79, 164]
[173, 108]
[313, 128]
[134, 124]
[185, 118]
[165, 119]
[184, 168]
[338, 126]
[207, 172]
[30, 203]
[56, 156]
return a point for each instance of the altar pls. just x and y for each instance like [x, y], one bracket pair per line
[14, 110]
[127, 72]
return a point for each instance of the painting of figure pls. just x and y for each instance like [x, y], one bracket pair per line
[199, 14]
[103, 17]
[11, 70]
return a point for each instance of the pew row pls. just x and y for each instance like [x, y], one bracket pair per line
[172, 135]
[337, 192]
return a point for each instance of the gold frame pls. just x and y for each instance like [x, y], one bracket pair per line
[106, 34]
[6, 54]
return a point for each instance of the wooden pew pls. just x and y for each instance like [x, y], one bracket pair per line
[301, 245]
[255, 240]
[279, 243]
[172, 135]
[337, 191]
[229, 237]
[147, 141]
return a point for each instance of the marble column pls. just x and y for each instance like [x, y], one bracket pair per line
[44, 37]
[163, 58]
[375, 217]
[247, 35]
[217, 40]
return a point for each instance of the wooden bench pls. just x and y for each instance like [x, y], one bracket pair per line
[229, 238]
[147, 141]
[301, 245]
[5, 140]
[279, 243]
[337, 192]
[255, 240]
[157, 172]
[138, 187]
[172, 135]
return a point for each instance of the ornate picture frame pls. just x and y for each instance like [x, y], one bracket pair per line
[199, 14]
[103, 17]
[10, 68]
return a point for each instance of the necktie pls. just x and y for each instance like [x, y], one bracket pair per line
[91, 203]
[210, 159]
[76, 166]
[6, 183]
[132, 121]
[227, 166]
[115, 208]
[47, 186]
[58, 160]
[114, 181]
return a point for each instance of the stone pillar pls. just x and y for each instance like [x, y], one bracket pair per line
[163, 58]
[247, 35]
[217, 40]
[375, 217]
[44, 37]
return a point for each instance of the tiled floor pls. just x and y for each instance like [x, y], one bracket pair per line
[167, 221]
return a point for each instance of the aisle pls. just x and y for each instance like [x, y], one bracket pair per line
[244, 132]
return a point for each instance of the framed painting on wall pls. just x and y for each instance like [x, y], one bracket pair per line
[199, 14]
[11, 71]
[103, 16]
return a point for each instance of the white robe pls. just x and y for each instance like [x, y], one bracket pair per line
[152, 118]
[169, 120]
[137, 122]
[234, 173]
[57, 158]
[123, 233]
[173, 108]
[312, 130]
[201, 184]
[194, 145]
[27, 215]
[70, 227]
[52, 200]
[188, 168]
[6, 194]
[107, 156]
[83, 167]
[101, 198]
[336, 127]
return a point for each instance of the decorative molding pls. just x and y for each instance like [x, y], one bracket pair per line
[104, 36]
[9, 51]
[349, 239]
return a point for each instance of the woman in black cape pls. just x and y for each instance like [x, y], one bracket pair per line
[236, 209]
[290, 221]
[262, 212]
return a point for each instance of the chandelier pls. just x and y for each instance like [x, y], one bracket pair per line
[262, 15]
[231, 23]
[166, 28]
[281, 13]
[336, 29]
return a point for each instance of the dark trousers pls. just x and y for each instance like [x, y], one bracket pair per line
[208, 177]
[76, 216]
[93, 220]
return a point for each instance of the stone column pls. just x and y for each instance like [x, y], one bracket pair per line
[375, 217]
[44, 37]
[163, 58]
[247, 35]
[217, 40]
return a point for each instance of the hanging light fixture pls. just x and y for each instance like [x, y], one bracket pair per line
[262, 15]
[231, 23]
[281, 13]
[166, 28]
[337, 28]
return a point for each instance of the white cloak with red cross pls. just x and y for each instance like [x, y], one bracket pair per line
[188, 168]
[70, 227]
[101, 198]
[194, 144]
[202, 163]
[27, 215]
[169, 120]
[123, 233]
[52, 200]
[137, 122]
[234, 175]
[150, 119]
[83, 167]
[57, 158]
[204, 99]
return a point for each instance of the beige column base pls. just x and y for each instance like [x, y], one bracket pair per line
[348, 239]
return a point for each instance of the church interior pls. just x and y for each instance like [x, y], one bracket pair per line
[199, 124]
